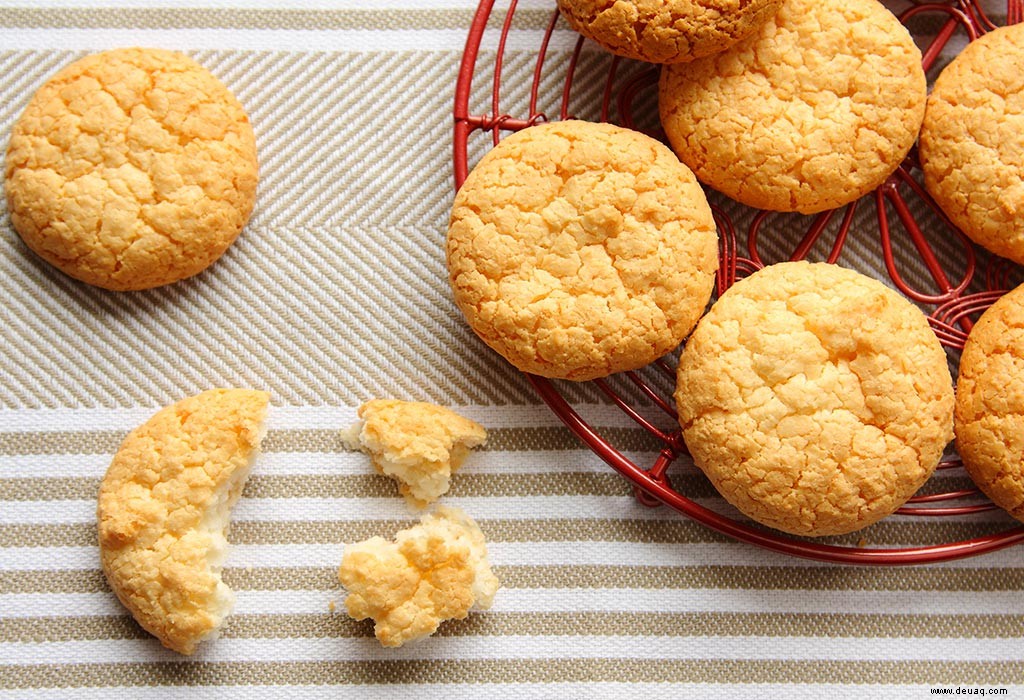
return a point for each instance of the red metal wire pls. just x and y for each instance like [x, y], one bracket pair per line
[951, 319]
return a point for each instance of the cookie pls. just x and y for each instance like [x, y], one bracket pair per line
[990, 403]
[972, 141]
[666, 31]
[163, 511]
[577, 250]
[434, 571]
[131, 169]
[418, 444]
[815, 399]
[812, 111]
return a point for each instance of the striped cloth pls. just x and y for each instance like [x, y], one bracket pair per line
[335, 294]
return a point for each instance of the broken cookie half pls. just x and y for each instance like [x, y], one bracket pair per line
[164, 509]
[418, 444]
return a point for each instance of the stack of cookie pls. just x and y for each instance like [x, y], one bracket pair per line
[816, 400]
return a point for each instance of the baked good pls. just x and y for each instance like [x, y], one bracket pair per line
[666, 31]
[131, 169]
[990, 403]
[972, 141]
[812, 111]
[418, 444]
[164, 508]
[577, 250]
[434, 571]
[816, 399]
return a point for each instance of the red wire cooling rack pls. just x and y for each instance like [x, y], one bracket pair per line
[954, 297]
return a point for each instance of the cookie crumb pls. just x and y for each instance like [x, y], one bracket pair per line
[418, 444]
[434, 571]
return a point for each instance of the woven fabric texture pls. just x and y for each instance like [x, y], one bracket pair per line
[335, 293]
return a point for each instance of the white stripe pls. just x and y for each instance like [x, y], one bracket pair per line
[71, 512]
[512, 691]
[304, 417]
[523, 647]
[689, 600]
[569, 553]
[339, 464]
[286, 4]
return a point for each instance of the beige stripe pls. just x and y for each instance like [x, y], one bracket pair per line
[322, 441]
[369, 486]
[678, 577]
[374, 486]
[650, 669]
[590, 576]
[593, 624]
[241, 18]
[676, 531]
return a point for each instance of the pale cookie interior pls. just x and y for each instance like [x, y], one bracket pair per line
[577, 250]
[434, 571]
[972, 141]
[811, 112]
[816, 399]
[164, 511]
[418, 444]
[666, 31]
[990, 403]
[131, 168]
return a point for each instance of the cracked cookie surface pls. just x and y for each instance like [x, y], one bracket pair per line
[812, 111]
[666, 31]
[817, 400]
[131, 169]
[164, 507]
[577, 250]
[972, 141]
[990, 403]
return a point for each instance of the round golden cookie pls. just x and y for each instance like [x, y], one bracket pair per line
[814, 110]
[131, 169]
[164, 507]
[972, 141]
[577, 250]
[666, 31]
[990, 403]
[817, 400]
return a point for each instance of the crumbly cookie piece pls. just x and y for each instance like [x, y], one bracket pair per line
[164, 508]
[666, 31]
[577, 250]
[817, 400]
[131, 169]
[990, 403]
[418, 444]
[434, 571]
[972, 141]
[812, 111]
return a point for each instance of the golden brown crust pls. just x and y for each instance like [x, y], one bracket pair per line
[131, 169]
[816, 399]
[577, 250]
[666, 31]
[812, 111]
[972, 141]
[990, 403]
[160, 503]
